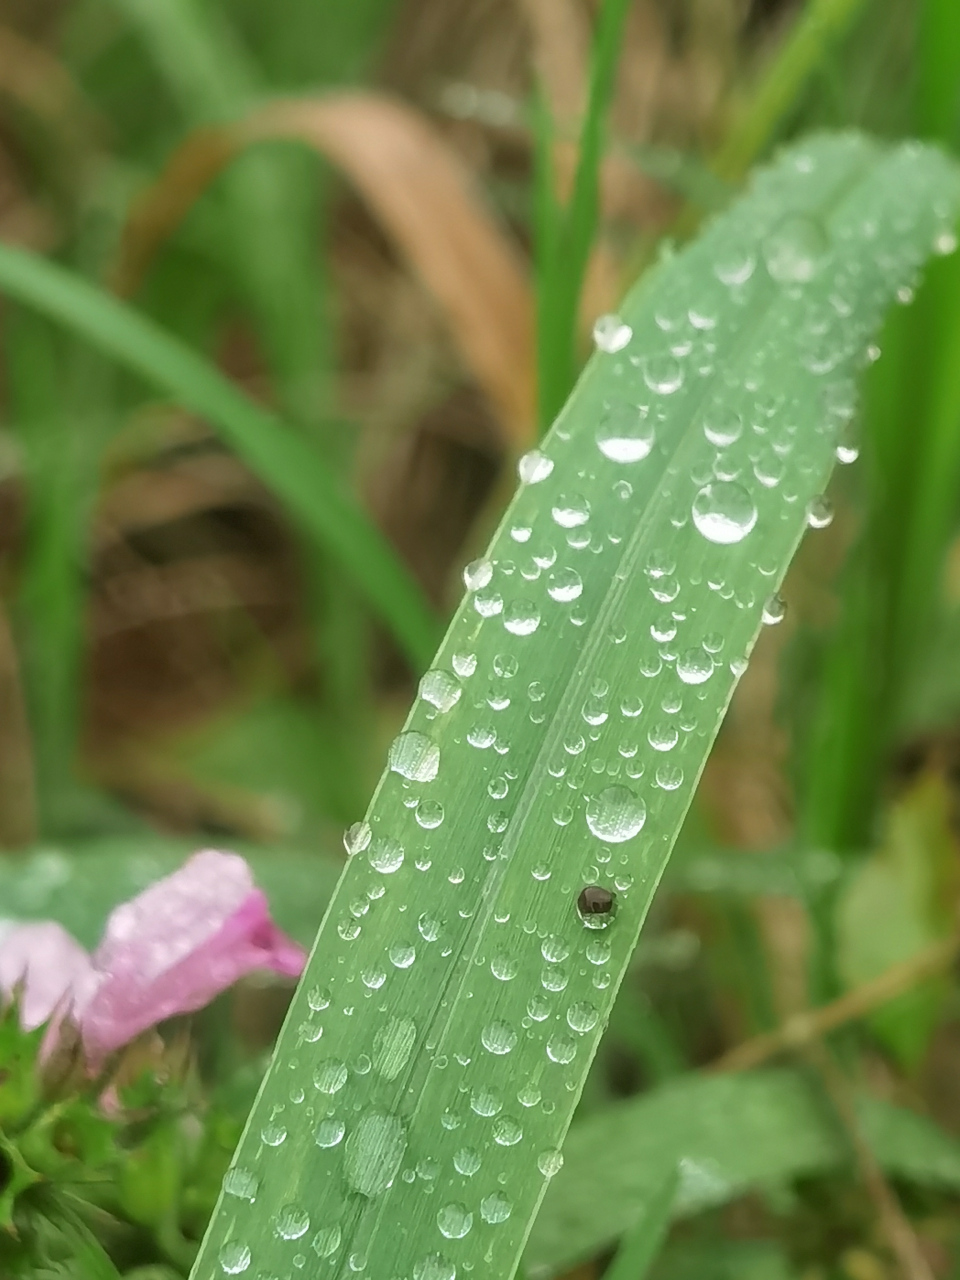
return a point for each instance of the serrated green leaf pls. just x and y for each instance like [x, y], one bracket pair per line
[630, 572]
[726, 1134]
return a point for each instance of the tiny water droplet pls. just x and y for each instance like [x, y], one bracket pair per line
[611, 334]
[498, 1037]
[234, 1258]
[274, 1135]
[694, 666]
[385, 855]
[724, 512]
[464, 664]
[330, 1076]
[564, 585]
[441, 689]
[521, 618]
[434, 1267]
[429, 814]
[477, 575]
[415, 756]
[550, 1163]
[819, 513]
[571, 510]
[402, 955]
[329, 1133]
[774, 611]
[392, 1046]
[582, 1017]
[561, 1049]
[534, 467]
[507, 1132]
[794, 250]
[496, 1208]
[467, 1161]
[357, 838]
[454, 1221]
[291, 1222]
[616, 814]
[663, 374]
[625, 434]
[722, 425]
[327, 1241]
[242, 1183]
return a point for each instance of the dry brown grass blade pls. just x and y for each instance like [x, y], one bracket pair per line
[561, 42]
[39, 82]
[422, 196]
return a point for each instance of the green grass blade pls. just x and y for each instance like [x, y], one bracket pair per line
[726, 1134]
[454, 998]
[938, 90]
[287, 464]
[821, 25]
[642, 1244]
[573, 238]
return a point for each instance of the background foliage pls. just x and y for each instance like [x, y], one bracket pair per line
[364, 252]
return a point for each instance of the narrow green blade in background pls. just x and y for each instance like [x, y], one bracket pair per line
[434, 1054]
[290, 466]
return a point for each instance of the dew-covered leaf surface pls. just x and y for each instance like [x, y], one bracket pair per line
[726, 1134]
[434, 1054]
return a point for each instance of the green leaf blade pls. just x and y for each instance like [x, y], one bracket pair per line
[290, 466]
[562, 733]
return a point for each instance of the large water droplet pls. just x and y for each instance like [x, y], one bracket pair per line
[794, 250]
[393, 1045]
[486, 1102]
[498, 1037]
[441, 689]
[454, 1221]
[611, 334]
[616, 814]
[504, 966]
[242, 1183]
[625, 434]
[373, 1152]
[534, 467]
[724, 512]
[429, 814]
[415, 756]
[402, 955]
[234, 1258]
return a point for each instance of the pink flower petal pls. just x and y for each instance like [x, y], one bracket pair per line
[177, 945]
[52, 967]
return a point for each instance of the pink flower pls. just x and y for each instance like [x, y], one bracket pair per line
[168, 951]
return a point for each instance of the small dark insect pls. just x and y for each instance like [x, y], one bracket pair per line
[594, 900]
